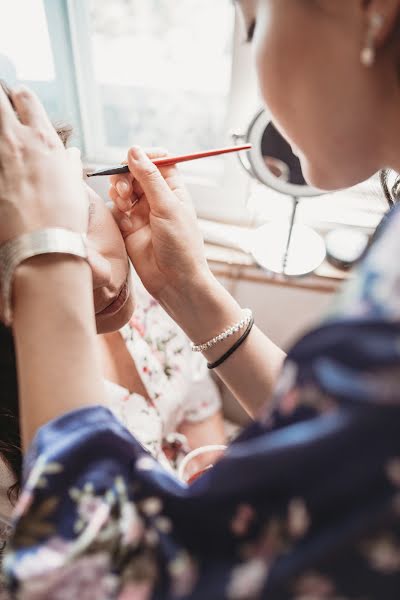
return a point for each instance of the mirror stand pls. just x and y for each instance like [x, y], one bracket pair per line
[291, 250]
[288, 249]
[290, 233]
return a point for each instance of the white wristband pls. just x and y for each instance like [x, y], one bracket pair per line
[247, 317]
[44, 241]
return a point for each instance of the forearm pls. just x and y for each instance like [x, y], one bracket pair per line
[54, 331]
[204, 433]
[204, 310]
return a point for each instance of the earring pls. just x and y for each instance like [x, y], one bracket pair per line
[368, 53]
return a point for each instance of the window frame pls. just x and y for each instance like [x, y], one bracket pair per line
[227, 198]
[223, 198]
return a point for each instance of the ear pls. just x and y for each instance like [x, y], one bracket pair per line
[389, 10]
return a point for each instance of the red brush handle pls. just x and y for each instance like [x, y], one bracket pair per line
[174, 160]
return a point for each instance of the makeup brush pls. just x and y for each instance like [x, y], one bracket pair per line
[167, 161]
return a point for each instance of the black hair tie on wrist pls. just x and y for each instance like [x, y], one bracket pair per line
[235, 346]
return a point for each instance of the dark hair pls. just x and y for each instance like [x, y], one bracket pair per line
[10, 438]
[391, 190]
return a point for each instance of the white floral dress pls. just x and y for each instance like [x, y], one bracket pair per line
[177, 382]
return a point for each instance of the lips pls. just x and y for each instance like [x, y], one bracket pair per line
[116, 304]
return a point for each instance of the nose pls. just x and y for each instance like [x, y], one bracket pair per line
[101, 269]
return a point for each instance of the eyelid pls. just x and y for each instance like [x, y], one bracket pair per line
[92, 208]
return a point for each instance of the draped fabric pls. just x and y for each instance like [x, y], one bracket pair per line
[305, 504]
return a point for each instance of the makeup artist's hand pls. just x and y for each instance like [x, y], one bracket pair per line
[161, 232]
[40, 182]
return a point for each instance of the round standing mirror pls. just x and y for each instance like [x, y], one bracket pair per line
[290, 249]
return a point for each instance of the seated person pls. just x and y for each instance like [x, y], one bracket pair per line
[156, 386]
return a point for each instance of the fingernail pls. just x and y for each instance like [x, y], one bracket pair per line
[126, 224]
[122, 187]
[136, 152]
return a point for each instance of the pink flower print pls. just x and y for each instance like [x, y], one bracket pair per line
[313, 585]
[242, 519]
[131, 525]
[141, 590]
[383, 554]
[89, 506]
[298, 518]
[272, 542]
[23, 504]
[152, 303]
[85, 578]
[184, 573]
[151, 506]
[137, 325]
[289, 402]
[45, 559]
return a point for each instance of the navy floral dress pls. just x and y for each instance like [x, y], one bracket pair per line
[305, 505]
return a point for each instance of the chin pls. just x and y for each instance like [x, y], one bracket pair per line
[111, 323]
[327, 180]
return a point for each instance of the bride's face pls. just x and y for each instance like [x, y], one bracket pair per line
[334, 111]
[112, 288]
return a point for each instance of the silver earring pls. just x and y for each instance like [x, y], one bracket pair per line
[368, 53]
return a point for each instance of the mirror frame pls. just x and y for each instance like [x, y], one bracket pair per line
[257, 165]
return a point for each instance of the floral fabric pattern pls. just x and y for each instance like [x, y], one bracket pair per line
[177, 381]
[305, 505]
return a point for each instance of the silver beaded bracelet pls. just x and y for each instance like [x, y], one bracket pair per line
[247, 317]
[44, 241]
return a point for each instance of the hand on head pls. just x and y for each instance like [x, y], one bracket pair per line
[158, 222]
[40, 182]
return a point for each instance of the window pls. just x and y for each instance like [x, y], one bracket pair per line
[33, 53]
[161, 76]
[171, 73]
[161, 73]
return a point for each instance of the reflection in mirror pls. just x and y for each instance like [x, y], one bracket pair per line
[279, 158]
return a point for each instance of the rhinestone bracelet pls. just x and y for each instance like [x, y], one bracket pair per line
[247, 317]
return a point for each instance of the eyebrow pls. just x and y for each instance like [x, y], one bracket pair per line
[250, 31]
[249, 28]
[92, 208]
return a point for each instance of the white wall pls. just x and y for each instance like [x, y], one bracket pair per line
[283, 313]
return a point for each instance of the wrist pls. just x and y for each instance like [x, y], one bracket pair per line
[52, 284]
[39, 242]
[202, 307]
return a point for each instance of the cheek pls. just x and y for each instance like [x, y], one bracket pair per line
[315, 92]
[105, 237]
[117, 321]
[281, 79]
[286, 40]
[108, 324]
